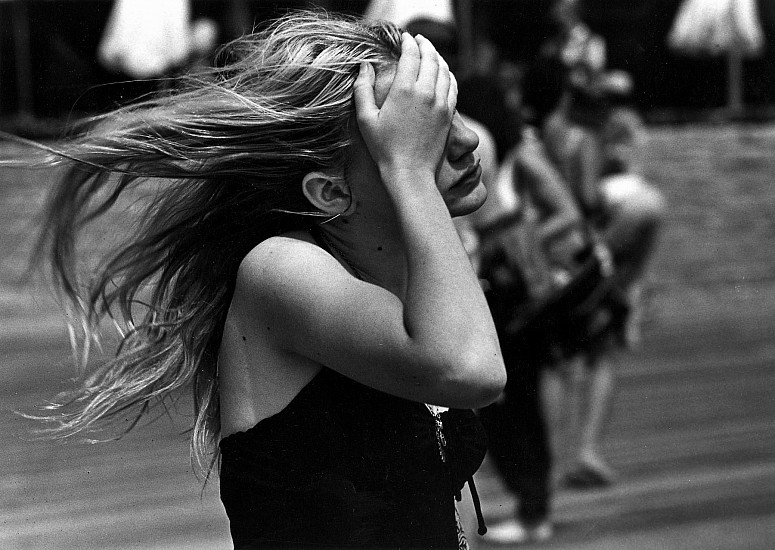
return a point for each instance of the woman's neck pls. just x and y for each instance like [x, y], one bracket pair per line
[369, 252]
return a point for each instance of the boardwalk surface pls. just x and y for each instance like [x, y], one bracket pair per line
[693, 429]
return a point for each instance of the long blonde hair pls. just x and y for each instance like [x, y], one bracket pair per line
[231, 145]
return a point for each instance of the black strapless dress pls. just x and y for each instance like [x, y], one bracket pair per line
[344, 465]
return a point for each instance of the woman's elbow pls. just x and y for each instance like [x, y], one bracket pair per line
[491, 383]
[479, 380]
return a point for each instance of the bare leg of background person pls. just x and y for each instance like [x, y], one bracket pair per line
[591, 469]
[631, 236]
[554, 390]
[561, 402]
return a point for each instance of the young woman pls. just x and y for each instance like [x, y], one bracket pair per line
[305, 278]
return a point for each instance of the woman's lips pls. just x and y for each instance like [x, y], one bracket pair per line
[471, 177]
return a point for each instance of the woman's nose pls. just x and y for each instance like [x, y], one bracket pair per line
[462, 139]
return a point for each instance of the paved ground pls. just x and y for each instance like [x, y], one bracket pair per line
[693, 432]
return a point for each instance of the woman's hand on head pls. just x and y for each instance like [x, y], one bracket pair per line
[408, 132]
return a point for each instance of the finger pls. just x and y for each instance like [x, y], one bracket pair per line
[452, 96]
[429, 63]
[443, 81]
[443, 63]
[363, 90]
[409, 64]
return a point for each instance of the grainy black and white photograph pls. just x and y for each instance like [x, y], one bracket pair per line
[463, 274]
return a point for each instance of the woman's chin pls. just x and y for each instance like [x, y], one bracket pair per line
[473, 201]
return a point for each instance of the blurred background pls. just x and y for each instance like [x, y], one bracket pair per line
[50, 64]
[692, 433]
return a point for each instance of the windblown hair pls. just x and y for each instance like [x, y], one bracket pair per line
[231, 146]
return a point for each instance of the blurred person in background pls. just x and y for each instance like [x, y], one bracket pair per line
[530, 243]
[551, 295]
[592, 133]
[303, 275]
[529, 209]
[595, 141]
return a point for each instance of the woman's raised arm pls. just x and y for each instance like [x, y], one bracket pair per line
[437, 343]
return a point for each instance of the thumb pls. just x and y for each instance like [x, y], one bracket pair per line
[365, 104]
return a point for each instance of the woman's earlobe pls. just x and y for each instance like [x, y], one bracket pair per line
[329, 193]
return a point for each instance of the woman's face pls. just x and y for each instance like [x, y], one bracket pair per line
[458, 175]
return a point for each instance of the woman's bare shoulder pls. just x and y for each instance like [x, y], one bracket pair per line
[280, 263]
[278, 248]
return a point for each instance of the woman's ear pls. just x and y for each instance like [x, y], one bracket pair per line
[328, 193]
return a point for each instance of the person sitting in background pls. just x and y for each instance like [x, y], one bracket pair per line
[633, 209]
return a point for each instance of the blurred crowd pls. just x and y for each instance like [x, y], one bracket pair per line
[563, 243]
[59, 58]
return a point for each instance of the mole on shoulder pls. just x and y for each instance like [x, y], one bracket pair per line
[379, 249]
[244, 339]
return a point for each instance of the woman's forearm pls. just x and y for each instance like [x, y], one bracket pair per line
[445, 309]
